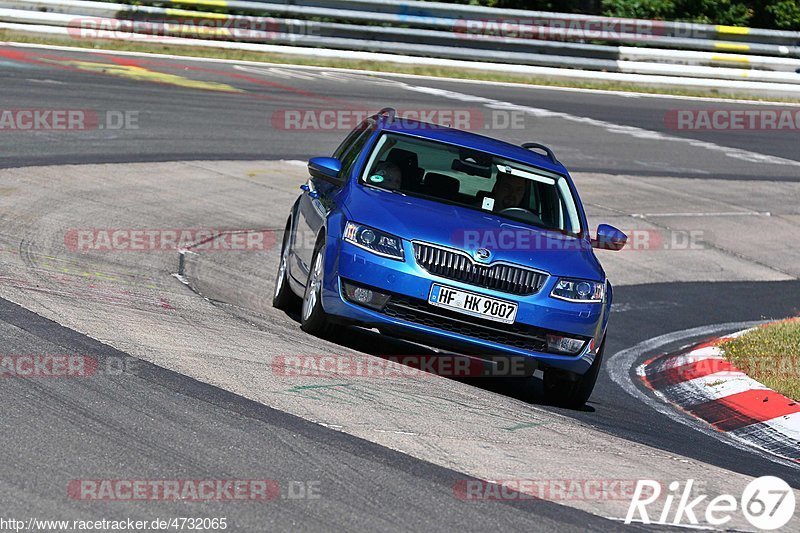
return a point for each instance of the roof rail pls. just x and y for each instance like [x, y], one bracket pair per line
[547, 150]
[389, 112]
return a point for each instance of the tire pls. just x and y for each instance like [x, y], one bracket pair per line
[282, 297]
[313, 318]
[570, 390]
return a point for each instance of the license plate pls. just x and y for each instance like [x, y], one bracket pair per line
[473, 304]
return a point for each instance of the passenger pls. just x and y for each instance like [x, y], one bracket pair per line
[386, 175]
[509, 191]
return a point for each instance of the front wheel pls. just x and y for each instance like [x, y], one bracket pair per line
[313, 318]
[570, 390]
[283, 297]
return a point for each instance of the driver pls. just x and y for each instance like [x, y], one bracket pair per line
[509, 191]
[387, 175]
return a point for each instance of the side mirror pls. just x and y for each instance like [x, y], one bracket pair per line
[326, 168]
[609, 238]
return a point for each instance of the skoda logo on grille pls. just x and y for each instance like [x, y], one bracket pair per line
[482, 254]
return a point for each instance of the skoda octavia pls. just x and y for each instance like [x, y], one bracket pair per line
[454, 240]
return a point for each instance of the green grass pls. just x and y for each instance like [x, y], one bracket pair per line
[771, 355]
[375, 66]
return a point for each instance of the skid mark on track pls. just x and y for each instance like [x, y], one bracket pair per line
[62, 277]
[356, 393]
[321, 392]
[524, 425]
[68, 288]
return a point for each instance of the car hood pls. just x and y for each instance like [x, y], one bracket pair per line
[413, 218]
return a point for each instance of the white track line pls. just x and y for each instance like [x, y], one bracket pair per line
[719, 214]
[632, 131]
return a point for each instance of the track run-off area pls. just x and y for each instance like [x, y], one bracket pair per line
[186, 384]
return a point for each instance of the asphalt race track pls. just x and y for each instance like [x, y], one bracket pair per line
[204, 144]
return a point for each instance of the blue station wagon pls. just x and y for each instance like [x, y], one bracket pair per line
[454, 240]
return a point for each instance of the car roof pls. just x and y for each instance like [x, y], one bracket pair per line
[474, 141]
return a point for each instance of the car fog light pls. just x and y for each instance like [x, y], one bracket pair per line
[363, 296]
[564, 345]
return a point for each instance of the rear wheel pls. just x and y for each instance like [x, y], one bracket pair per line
[313, 318]
[566, 389]
[283, 297]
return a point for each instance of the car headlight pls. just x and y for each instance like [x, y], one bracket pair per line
[578, 290]
[376, 241]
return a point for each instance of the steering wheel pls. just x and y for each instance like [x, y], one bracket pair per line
[521, 213]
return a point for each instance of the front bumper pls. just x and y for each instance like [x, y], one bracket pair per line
[409, 315]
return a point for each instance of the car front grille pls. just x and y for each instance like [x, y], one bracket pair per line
[458, 266]
[421, 312]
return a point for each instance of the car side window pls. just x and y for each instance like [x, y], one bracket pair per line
[349, 140]
[350, 156]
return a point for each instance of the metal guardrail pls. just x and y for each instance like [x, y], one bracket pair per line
[554, 26]
[452, 37]
[433, 30]
[471, 21]
[441, 15]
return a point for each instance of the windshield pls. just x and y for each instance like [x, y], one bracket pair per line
[476, 180]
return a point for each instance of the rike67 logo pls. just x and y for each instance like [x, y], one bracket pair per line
[767, 503]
